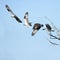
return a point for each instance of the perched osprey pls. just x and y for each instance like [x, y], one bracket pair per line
[36, 27]
[12, 14]
[27, 23]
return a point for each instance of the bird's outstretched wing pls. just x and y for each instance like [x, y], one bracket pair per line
[34, 32]
[12, 14]
[18, 20]
[27, 23]
[9, 9]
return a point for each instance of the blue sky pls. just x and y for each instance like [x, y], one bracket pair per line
[16, 42]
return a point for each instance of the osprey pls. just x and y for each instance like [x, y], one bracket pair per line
[36, 27]
[12, 14]
[27, 23]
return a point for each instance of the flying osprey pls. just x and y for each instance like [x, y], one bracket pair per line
[27, 23]
[36, 27]
[12, 14]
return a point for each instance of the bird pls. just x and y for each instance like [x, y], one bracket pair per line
[36, 27]
[12, 14]
[27, 23]
[49, 28]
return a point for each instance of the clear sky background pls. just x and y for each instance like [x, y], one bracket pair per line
[16, 42]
